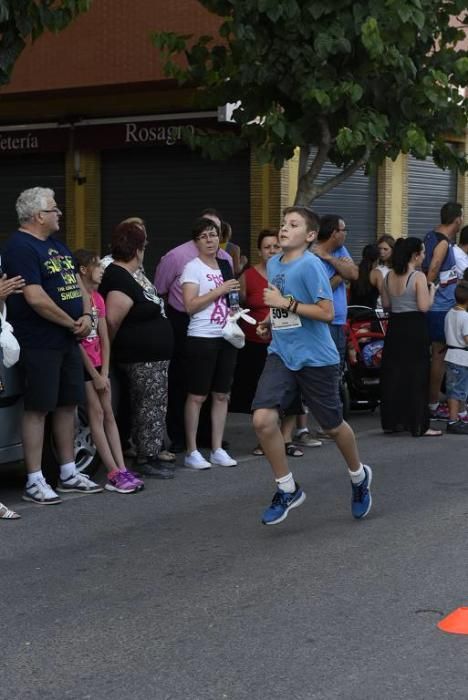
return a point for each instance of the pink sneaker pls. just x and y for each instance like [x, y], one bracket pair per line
[441, 412]
[134, 479]
[120, 483]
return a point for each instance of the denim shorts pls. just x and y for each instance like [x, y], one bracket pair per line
[456, 381]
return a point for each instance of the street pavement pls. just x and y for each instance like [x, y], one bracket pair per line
[179, 592]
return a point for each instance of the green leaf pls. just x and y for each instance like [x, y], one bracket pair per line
[371, 37]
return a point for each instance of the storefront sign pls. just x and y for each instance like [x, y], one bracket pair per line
[164, 134]
[38, 141]
[129, 134]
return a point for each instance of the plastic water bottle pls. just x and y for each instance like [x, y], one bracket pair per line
[234, 301]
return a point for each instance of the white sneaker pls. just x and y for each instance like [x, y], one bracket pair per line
[40, 492]
[78, 483]
[220, 458]
[195, 460]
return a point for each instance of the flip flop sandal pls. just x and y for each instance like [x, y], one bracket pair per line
[258, 452]
[433, 433]
[7, 514]
[166, 456]
[293, 450]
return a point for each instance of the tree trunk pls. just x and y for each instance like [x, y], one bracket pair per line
[308, 189]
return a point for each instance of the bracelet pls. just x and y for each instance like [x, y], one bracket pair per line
[295, 305]
[93, 322]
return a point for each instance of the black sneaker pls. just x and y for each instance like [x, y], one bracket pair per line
[458, 428]
[154, 469]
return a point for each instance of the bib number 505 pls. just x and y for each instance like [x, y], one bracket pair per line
[279, 313]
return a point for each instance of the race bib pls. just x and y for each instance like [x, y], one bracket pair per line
[281, 319]
[447, 277]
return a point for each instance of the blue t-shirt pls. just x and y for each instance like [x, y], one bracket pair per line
[339, 294]
[311, 344]
[49, 264]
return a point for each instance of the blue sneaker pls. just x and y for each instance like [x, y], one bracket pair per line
[362, 499]
[281, 504]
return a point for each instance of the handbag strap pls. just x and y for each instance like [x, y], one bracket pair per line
[226, 269]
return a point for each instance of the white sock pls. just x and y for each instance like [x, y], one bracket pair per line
[67, 470]
[301, 431]
[462, 415]
[357, 477]
[286, 483]
[34, 476]
[434, 406]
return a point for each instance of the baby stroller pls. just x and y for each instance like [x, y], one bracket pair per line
[365, 334]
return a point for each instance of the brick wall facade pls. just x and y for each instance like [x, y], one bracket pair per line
[108, 45]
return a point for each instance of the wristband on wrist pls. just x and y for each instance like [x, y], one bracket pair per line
[295, 305]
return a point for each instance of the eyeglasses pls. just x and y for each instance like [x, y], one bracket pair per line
[206, 236]
[54, 210]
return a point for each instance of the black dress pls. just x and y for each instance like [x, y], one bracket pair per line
[405, 367]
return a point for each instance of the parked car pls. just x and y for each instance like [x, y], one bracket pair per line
[11, 449]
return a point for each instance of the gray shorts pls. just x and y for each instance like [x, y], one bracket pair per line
[279, 386]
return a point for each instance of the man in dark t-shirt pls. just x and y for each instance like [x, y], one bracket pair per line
[48, 319]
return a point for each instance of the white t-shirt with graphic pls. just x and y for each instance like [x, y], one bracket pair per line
[209, 322]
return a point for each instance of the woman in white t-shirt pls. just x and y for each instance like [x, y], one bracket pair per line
[210, 359]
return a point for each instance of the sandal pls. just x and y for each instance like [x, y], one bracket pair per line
[433, 433]
[293, 450]
[258, 452]
[7, 514]
[166, 456]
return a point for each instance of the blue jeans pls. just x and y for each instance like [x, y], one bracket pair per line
[339, 338]
[456, 380]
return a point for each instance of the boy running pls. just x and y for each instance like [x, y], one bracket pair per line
[302, 357]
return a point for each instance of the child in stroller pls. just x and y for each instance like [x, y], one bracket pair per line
[365, 334]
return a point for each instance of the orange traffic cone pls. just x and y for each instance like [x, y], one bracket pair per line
[456, 622]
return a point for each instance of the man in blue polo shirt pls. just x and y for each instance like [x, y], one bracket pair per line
[340, 268]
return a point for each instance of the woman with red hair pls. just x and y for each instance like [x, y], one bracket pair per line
[142, 342]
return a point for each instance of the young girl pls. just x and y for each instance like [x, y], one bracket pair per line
[95, 351]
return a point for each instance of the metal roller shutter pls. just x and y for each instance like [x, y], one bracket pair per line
[356, 201]
[18, 173]
[168, 188]
[429, 188]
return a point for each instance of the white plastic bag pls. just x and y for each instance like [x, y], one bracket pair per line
[232, 332]
[8, 343]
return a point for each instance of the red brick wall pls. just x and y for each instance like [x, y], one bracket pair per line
[108, 45]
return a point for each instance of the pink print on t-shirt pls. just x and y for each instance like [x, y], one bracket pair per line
[220, 309]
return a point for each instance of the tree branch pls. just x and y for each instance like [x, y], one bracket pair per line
[320, 190]
[307, 178]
